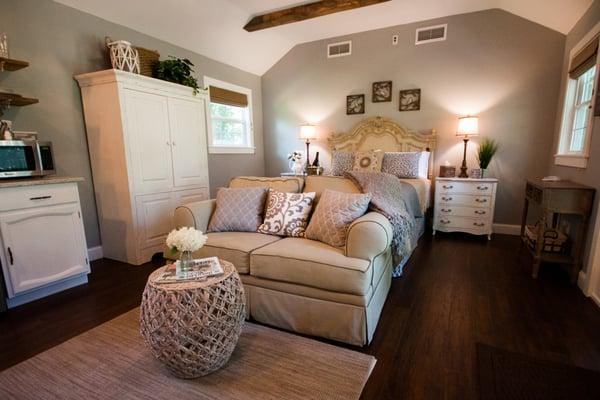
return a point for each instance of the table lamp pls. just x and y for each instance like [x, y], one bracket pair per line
[467, 127]
[308, 133]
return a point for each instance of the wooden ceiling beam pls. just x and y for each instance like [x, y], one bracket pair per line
[304, 12]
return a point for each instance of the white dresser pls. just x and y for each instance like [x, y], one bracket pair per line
[464, 205]
[43, 247]
[147, 142]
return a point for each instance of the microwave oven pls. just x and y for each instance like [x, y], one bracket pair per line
[24, 158]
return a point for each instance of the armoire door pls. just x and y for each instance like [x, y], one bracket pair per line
[188, 136]
[42, 246]
[149, 142]
[155, 214]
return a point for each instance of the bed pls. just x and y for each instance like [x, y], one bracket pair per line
[387, 135]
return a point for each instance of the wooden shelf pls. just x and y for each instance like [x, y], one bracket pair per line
[13, 99]
[9, 64]
[555, 258]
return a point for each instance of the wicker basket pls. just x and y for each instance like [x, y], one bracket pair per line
[147, 60]
[554, 240]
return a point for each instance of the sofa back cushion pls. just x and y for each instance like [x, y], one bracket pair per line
[290, 184]
[238, 210]
[287, 213]
[319, 183]
[334, 214]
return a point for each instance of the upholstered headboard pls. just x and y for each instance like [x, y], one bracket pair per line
[379, 133]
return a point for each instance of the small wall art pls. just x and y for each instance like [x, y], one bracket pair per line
[355, 104]
[382, 91]
[410, 100]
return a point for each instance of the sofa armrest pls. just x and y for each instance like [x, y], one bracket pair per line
[368, 236]
[195, 214]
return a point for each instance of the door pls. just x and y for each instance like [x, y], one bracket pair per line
[42, 246]
[188, 137]
[149, 142]
[183, 197]
[155, 218]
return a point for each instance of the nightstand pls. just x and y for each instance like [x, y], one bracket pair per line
[464, 205]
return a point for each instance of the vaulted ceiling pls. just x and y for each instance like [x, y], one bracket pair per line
[214, 28]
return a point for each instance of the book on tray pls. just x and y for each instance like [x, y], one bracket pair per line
[201, 269]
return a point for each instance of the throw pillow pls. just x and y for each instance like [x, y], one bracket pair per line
[341, 162]
[334, 214]
[368, 161]
[238, 210]
[402, 164]
[287, 213]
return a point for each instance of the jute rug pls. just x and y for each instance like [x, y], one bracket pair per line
[112, 362]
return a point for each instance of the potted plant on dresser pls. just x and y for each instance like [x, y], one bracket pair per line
[486, 151]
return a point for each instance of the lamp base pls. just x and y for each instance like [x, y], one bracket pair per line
[463, 168]
[463, 173]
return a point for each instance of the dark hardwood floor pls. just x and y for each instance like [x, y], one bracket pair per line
[457, 290]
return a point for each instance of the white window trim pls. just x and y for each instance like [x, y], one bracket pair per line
[563, 156]
[215, 149]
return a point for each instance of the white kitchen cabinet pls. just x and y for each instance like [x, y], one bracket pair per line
[148, 147]
[42, 239]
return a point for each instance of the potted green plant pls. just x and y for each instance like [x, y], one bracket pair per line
[176, 70]
[486, 151]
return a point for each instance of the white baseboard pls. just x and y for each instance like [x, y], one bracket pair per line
[507, 229]
[596, 299]
[582, 282]
[95, 253]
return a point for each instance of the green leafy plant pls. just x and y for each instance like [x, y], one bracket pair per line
[177, 70]
[487, 150]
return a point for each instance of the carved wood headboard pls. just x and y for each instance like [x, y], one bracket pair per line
[379, 133]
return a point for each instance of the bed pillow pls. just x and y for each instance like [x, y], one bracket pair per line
[368, 161]
[424, 164]
[341, 162]
[287, 213]
[334, 214]
[238, 210]
[402, 164]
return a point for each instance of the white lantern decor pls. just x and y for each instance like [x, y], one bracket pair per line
[124, 57]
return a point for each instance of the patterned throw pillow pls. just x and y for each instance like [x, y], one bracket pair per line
[287, 213]
[238, 210]
[334, 214]
[368, 161]
[341, 162]
[402, 164]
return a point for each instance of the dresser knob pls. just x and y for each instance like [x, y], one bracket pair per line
[448, 187]
[446, 210]
[479, 212]
[443, 221]
[480, 224]
[482, 187]
[446, 198]
[481, 200]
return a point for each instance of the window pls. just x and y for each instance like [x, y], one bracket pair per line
[230, 118]
[577, 117]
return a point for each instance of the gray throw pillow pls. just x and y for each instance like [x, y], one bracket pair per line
[238, 210]
[341, 162]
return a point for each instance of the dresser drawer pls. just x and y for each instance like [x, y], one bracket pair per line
[463, 211]
[465, 187]
[444, 222]
[467, 200]
[16, 198]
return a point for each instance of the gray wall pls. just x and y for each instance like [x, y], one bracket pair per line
[61, 42]
[493, 64]
[591, 174]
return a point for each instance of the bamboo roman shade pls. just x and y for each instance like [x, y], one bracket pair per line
[584, 60]
[228, 97]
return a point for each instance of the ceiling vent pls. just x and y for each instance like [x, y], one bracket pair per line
[431, 34]
[340, 49]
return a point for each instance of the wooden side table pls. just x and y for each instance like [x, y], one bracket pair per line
[193, 327]
[559, 198]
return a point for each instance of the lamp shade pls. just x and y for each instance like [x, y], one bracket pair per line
[308, 132]
[467, 126]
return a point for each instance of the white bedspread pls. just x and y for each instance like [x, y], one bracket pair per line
[423, 189]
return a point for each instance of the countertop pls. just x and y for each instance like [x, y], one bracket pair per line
[46, 180]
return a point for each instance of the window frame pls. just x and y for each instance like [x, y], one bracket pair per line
[564, 156]
[220, 149]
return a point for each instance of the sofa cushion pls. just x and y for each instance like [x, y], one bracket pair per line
[292, 184]
[287, 213]
[238, 210]
[234, 247]
[311, 263]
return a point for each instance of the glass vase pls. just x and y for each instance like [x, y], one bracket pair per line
[186, 261]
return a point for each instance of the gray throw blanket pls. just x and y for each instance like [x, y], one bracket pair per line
[398, 202]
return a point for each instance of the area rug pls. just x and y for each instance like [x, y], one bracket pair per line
[506, 375]
[111, 361]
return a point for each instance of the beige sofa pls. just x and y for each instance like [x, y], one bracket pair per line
[304, 285]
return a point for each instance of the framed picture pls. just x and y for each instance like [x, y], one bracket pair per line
[382, 91]
[410, 100]
[355, 104]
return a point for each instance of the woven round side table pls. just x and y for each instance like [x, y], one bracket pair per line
[193, 327]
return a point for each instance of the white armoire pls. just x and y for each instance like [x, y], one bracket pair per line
[148, 150]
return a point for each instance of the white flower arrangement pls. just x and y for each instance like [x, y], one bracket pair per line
[186, 239]
[295, 156]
